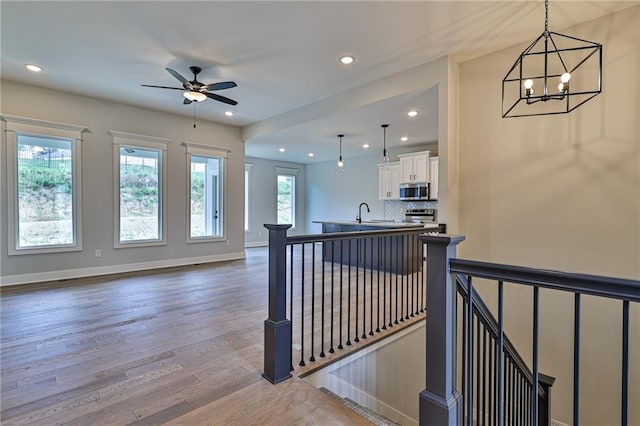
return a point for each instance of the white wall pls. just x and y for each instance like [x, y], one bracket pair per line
[561, 192]
[100, 116]
[262, 201]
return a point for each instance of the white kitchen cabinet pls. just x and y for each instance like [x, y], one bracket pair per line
[389, 181]
[433, 175]
[414, 167]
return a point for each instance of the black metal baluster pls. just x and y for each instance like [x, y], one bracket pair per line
[405, 264]
[371, 289]
[625, 363]
[423, 277]
[349, 296]
[576, 359]
[465, 353]
[411, 248]
[364, 289]
[470, 354]
[403, 275]
[397, 263]
[510, 390]
[380, 263]
[291, 300]
[536, 303]
[341, 285]
[484, 373]
[492, 380]
[500, 353]
[324, 267]
[333, 256]
[357, 286]
[478, 369]
[312, 358]
[302, 363]
[384, 285]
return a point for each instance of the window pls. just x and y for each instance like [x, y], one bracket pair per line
[206, 192]
[286, 196]
[247, 179]
[140, 190]
[44, 186]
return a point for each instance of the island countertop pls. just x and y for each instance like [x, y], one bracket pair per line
[379, 223]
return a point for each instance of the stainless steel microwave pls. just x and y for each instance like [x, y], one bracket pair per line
[414, 191]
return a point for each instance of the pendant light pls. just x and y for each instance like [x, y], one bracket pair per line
[538, 82]
[340, 163]
[385, 156]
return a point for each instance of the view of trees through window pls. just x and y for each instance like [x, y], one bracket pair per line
[45, 191]
[140, 178]
[286, 199]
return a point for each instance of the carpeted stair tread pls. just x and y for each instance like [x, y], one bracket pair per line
[368, 414]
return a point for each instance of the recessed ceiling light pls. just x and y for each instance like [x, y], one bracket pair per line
[311, 154]
[365, 146]
[404, 139]
[412, 113]
[282, 150]
[346, 60]
[33, 67]
[228, 113]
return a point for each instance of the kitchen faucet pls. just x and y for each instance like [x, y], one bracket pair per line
[359, 217]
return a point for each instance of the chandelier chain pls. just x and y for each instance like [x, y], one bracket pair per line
[546, 16]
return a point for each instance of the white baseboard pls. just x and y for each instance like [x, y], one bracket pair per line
[256, 244]
[9, 280]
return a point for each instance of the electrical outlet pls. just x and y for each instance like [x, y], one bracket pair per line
[98, 253]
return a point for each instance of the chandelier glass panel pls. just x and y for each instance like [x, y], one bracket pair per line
[554, 75]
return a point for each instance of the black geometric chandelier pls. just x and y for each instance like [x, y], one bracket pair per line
[554, 75]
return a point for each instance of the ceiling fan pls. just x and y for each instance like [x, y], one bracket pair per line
[195, 91]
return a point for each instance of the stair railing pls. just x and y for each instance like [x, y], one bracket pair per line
[508, 396]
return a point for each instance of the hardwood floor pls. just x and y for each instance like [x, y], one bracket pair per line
[177, 346]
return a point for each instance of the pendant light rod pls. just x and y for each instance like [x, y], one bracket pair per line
[384, 141]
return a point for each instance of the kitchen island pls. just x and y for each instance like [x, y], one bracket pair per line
[401, 253]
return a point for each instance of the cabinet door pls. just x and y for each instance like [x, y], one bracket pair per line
[433, 174]
[383, 183]
[394, 182]
[421, 168]
[406, 169]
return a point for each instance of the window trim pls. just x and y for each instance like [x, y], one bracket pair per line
[123, 139]
[210, 151]
[285, 171]
[16, 125]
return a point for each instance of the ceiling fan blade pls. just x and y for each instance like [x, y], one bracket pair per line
[221, 98]
[220, 86]
[163, 87]
[177, 75]
[186, 101]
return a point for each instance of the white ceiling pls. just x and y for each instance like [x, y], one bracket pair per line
[282, 55]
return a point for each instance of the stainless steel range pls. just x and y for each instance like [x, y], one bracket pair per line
[421, 215]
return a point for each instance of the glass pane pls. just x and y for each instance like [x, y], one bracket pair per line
[206, 197]
[246, 200]
[45, 192]
[286, 199]
[140, 179]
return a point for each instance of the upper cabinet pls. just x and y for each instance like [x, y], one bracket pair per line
[433, 175]
[389, 181]
[414, 167]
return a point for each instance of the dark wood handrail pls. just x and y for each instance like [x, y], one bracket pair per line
[333, 236]
[614, 288]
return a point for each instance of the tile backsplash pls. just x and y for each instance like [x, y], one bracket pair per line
[394, 209]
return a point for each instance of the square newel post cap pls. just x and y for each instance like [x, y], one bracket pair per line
[442, 239]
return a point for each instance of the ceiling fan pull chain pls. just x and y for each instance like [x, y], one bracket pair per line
[194, 115]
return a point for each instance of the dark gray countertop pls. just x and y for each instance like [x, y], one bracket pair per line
[380, 223]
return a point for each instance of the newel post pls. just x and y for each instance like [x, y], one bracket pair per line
[440, 402]
[277, 328]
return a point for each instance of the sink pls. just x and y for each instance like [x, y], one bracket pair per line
[376, 220]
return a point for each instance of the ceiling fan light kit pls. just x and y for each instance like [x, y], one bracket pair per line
[554, 75]
[194, 96]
